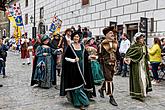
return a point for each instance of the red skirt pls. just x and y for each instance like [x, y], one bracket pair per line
[25, 54]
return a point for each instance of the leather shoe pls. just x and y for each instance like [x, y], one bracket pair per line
[4, 76]
[101, 93]
[82, 108]
[112, 101]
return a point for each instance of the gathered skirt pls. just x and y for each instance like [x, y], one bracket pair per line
[97, 72]
[44, 73]
[78, 98]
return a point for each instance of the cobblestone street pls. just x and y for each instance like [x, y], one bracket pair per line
[17, 94]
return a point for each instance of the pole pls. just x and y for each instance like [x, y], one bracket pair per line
[34, 23]
[34, 13]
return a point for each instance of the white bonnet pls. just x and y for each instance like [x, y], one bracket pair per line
[138, 34]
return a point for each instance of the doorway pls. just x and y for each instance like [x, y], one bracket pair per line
[41, 28]
[132, 29]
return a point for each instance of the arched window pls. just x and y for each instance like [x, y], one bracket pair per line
[41, 28]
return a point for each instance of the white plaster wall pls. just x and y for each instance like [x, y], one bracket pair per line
[97, 14]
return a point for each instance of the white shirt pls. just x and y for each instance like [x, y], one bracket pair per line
[124, 45]
[23, 40]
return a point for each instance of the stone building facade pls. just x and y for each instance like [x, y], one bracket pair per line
[4, 25]
[97, 14]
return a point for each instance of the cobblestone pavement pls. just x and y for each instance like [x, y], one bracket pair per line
[17, 94]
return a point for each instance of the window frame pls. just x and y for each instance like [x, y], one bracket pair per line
[41, 12]
[26, 19]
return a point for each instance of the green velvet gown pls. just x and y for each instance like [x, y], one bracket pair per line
[73, 78]
[79, 98]
[140, 83]
[95, 66]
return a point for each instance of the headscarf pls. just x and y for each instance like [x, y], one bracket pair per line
[45, 37]
[137, 35]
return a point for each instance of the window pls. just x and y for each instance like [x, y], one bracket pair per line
[85, 2]
[26, 3]
[26, 18]
[46, 27]
[41, 12]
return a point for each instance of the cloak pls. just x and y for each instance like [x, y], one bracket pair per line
[72, 76]
[136, 54]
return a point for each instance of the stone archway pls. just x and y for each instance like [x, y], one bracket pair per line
[41, 28]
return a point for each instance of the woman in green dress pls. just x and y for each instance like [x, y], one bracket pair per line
[95, 66]
[75, 78]
[137, 57]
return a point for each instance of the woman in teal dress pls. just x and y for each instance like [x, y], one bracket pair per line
[96, 69]
[44, 72]
[74, 78]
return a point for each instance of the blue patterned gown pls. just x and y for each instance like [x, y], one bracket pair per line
[44, 72]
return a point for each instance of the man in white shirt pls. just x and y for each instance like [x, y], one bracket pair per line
[124, 45]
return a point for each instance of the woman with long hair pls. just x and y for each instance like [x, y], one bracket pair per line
[155, 59]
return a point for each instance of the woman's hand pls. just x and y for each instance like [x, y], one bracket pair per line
[76, 59]
[127, 60]
[92, 57]
[45, 54]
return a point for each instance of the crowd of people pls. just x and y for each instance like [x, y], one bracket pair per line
[83, 62]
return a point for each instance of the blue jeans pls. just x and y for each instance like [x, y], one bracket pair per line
[2, 67]
[155, 69]
[123, 66]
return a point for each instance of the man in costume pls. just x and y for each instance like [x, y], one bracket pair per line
[24, 49]
[137, 57]
[107, 56]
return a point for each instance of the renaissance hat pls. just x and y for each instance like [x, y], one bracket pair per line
[107, 29]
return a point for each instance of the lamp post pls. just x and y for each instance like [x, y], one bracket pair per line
[31, 19]
[34, 22]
